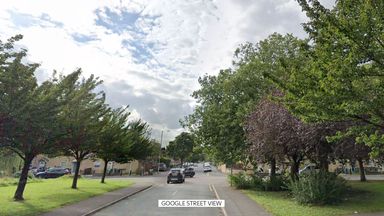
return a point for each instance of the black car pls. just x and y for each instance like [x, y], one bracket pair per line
[162, 167]
[189, 172]
[176, 175]
[52, 173]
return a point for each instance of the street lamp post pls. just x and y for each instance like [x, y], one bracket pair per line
[161, 143]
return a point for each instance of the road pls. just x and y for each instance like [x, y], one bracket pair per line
[146, 202]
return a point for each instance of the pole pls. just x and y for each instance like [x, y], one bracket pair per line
[161, 143]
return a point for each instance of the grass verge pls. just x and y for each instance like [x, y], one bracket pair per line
[52, 193]
[363, 197]
[8, 181]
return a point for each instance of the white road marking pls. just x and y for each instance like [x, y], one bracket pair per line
[217, 197]
[173, 194]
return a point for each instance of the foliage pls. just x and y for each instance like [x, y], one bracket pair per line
[225, 100]
[181, 147]
[10, 162]
[318, 188]
[113, 144]
[342, 79]
[28, 111]
[141, 146]
[275, 183]
[112, 140]
[275, 134]
[362, 198]
[244, 181]
[81, 119]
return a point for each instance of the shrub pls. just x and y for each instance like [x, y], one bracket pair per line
[241, 180]
[277, 183]
[318, 188]
[244, 181]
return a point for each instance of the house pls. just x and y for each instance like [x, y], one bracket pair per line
[90, 166]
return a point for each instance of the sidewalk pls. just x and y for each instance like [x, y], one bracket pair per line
[94, 204]
[237, 203]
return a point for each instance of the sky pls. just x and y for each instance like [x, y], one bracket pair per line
[149, 53]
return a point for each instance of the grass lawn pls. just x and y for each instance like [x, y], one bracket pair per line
[364, 197]
[52, 193]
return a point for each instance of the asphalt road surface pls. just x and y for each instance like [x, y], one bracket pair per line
[146, 202]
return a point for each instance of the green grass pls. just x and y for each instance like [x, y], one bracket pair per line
[52, 193]
[8, 181]
[363, 197]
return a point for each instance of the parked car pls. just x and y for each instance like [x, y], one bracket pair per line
[52, 173]
[308, 169]
[176, 175]
[162, 167]
[37, 170]
[207, 168]
[189, 172]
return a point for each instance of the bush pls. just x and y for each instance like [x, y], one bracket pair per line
[18, 173]
[277, 183]
[241, 180]
[318, 188]
[244, 181]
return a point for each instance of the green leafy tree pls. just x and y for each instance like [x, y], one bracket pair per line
[29, 111]
[113, 142]
[141, 146]
[81, 118]
[214, 121]
[181, 147]
[225, 100]
[342, 80]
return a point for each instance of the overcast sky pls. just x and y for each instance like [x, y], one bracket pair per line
[149, 53]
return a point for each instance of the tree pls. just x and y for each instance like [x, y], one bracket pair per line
[214, 122]
[181, 147]
[81, 118]
[28, 111]
[343, 77]
[122, 141]
[113, 142]
[274, 135]
[225, 100]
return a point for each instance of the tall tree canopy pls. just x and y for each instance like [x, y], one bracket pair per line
[343, 77]
[275, 135]
[181, 147]
[225, 100]
[29, 111]
[81, 118]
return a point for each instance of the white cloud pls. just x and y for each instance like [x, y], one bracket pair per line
[149, 53]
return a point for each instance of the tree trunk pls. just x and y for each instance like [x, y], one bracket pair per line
[324, 165]
[77, 169]
[362, 170]
[231, 173]
[295, 170]
[23, 178]
[104, 171]
[182, 161]
[273, 168]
